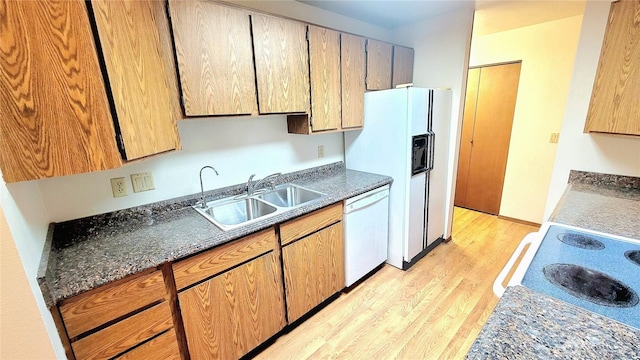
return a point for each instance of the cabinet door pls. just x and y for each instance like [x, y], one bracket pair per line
[134, 36]
[282, 65]
[378, 65]
[614, 106]
[313, 270]
[402, 65]
[324, 63]
[353, 65]
[229, 315]
[215, 58]
[55, 114]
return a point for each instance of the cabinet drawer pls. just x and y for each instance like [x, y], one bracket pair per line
[305, 225]
[125, 334]
[87, 311]
[202, 266]
[164, 347]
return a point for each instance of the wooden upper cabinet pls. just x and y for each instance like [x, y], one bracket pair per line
[215, 58]
[324, 63]
[282, 65]
[55, 114]
[402, 65]
[353, 73]
[134, 36]
[378, 65]
[614, 106]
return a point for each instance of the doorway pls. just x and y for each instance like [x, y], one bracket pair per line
[486, 133]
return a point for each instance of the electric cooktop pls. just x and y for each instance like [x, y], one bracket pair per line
[596, 271]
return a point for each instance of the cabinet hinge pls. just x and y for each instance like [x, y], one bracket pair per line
[366, 46]
[311, 121]
[307, 34]
[120, 142]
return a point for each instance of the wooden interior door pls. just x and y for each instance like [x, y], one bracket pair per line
[486, 133]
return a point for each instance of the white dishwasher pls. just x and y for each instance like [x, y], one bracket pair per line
[366, 233]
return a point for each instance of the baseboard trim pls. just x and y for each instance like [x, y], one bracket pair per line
[524, 222]
[421, 254]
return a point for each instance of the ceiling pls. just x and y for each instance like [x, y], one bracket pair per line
[491, 15]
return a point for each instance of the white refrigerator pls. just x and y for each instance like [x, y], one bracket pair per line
[406, 136]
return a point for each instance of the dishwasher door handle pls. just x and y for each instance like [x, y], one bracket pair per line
[365, 201]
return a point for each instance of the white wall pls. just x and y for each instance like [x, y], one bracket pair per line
[303, 12]
[28, 223]
[441, 48]
[612, 154]
[547, 51]
[22, 332]
[236, 146]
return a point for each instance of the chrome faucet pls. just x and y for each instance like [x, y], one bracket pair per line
[252, 188]
[204, 204]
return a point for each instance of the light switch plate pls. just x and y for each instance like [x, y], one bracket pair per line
[554, 138]
[118, 187]
[142, 182]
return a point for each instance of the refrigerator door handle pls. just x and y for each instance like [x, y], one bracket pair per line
[431, 138]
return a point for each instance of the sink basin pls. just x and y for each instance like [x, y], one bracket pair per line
[289, 195]
[232, 212]
[227, 214]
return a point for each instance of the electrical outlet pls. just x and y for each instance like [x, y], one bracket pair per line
[142, 182]
[118, 187]
[320, 151]
[554, 138]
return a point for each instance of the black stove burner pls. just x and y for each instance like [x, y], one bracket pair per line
[633, 256]
[581, 241]
[590, 285]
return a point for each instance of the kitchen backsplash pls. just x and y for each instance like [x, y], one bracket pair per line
[600, 179]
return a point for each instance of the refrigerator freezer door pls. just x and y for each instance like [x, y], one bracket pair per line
[415, 243]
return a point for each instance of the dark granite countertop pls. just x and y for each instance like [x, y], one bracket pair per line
[529, 325]
[601, 202]
[86, 253]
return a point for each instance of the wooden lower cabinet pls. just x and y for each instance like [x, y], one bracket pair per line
[163, 347]
[313, 270]
[232, 313]
[130, 319]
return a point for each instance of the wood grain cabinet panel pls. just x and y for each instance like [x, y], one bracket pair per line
[282, 65]
[215, 58]
[353, 65]
[163, 347]
[125, 334]
[89, 310]
[134, 35]
[379, 58]
[313, 270]
[324, 63]
[402, 65]
[305, 225]
[229, 315]
[615, 104]
[55, 115]
[197, 268]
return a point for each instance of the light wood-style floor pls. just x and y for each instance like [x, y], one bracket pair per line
[435, 310]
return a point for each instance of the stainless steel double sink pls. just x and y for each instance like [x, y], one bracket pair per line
[233, 212]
